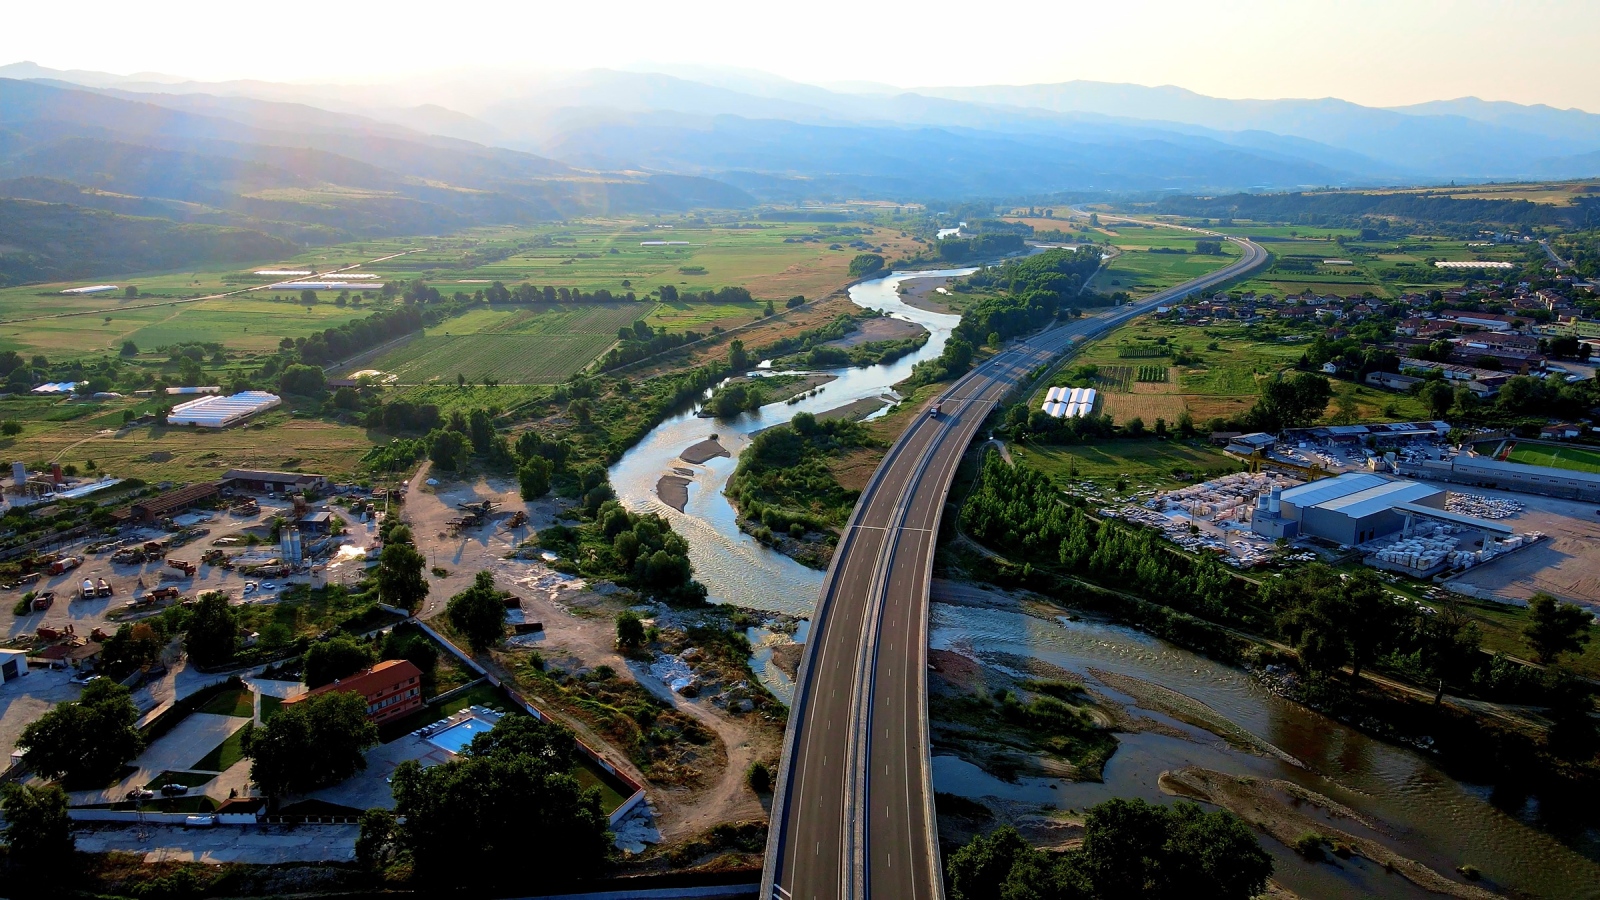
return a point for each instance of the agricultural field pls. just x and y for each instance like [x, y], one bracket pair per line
[774, 260]
[277, 440]
[1140, 463]
[1141, 273]
[1577, 459]
[514, 344]
[1135, 378]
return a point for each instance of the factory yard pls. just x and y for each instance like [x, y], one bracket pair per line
[1566, 564]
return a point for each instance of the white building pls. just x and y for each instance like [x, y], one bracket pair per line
[220, 412]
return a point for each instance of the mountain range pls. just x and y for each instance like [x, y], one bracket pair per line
[317, 163]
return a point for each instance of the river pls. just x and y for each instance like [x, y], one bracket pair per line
[1436, 819]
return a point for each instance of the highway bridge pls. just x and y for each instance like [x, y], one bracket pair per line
[853, 813]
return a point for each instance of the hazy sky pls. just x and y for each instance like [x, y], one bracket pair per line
[1376, 52]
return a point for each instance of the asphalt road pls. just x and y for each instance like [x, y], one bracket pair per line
[853, 816]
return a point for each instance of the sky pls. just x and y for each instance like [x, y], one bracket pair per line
[1374, 52]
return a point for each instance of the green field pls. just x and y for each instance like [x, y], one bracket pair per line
[1222, 381]
[1574, 458]
[1141, 273]
[773, 260]
[1144, 463]
[536, 344]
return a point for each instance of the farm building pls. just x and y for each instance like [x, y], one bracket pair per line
[57, 387]
[220, 412]
[1069, 403]
[262, 482]
[170, 503]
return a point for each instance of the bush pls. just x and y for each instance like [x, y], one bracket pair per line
[759, 777]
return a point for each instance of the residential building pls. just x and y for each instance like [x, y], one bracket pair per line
[392, 688]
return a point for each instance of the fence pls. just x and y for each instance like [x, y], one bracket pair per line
[635, 797]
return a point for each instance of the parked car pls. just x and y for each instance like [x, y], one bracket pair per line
[140, 794]
[200, 821]
[268, 586]
[85, 678]
[250, 587]
[174, 790]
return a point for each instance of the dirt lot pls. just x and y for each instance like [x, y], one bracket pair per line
[579, 629]
[1566, 564]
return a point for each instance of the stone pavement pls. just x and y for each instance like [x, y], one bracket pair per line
[262, 845]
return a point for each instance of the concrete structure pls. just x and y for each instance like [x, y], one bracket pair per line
[1481, 471]
[264, 482]
[13, 665]
[220, 412]
[392, 689]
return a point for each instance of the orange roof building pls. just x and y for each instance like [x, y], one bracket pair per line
[391, 688]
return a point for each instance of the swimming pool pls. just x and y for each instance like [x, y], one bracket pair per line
[455, 738]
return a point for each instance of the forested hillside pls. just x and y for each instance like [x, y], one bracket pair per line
[56, 241]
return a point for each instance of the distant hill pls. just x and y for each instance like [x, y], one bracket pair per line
[276, 171]
[57, 241]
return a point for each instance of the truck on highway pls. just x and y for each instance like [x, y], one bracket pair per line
[934, 410]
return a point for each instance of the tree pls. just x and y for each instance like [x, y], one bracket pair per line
[406, 641]
[337, 657]
[447, 449]
[378, 841]
[1131, 850]
[480, 430]
[304, 380]
[462, 819]
[213, 632]
[738, 358]
[533, 478]
[479, 613]
[88, 740]
[308, 297]
[38, 831]
[347, 398]
[1439, 397]
[311, 743]
[10, 428]
[1373, 618]
[1312, 616]
[865, 264]
[132, 647]
[1555, 628]
[400, 579]
[630, 630]
[129, 348]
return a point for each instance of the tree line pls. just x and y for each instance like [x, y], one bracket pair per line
[1019, 508]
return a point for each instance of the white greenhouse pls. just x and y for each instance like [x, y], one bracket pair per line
[220, 412]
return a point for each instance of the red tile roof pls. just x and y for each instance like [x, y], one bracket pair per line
[384, 675]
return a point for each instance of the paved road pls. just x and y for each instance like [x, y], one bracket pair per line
[853, 816]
